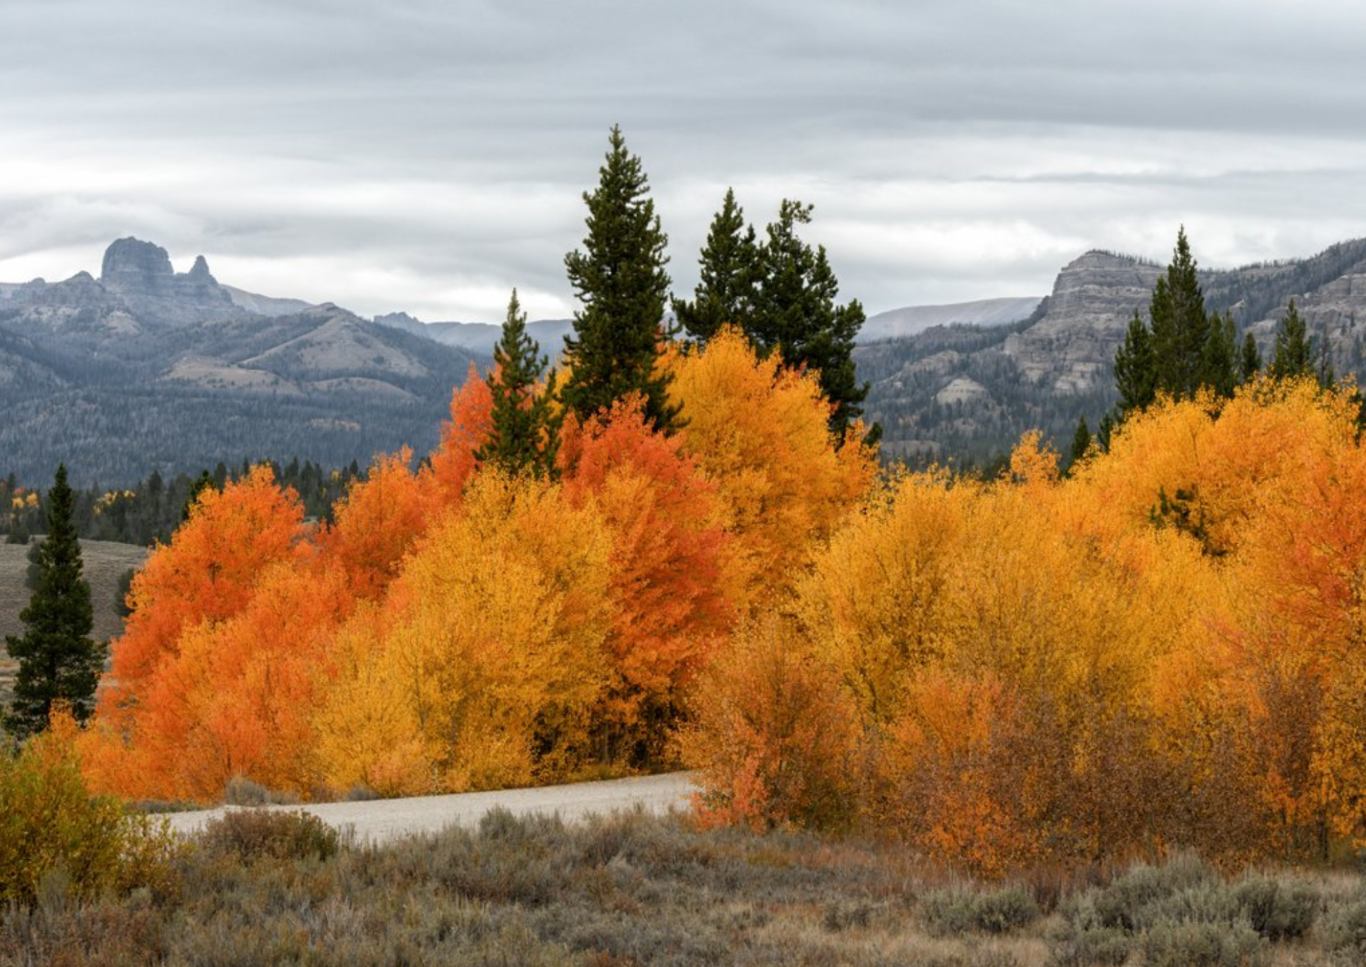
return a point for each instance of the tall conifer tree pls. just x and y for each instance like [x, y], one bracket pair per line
[1219, 362]
[524, 434]
[1081, 442]
[1294, 353]
[619, 277]
[58, 660]
[1180, 325]
[1135, 368]
[729, 265]
[1251, 362]
[796, 314]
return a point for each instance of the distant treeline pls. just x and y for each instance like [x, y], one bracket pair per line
[153, 508]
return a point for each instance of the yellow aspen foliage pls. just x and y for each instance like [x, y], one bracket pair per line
[759, 430]
[1208, 466]
[367, 734]
[874, 605]
[493, 640]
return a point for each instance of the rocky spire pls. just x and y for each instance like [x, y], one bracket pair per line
[199, 272]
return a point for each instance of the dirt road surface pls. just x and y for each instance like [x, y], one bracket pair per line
[383, 819]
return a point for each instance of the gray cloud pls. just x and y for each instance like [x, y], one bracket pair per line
[429, 155]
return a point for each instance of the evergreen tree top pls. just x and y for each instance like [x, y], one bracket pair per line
[727, 278]
[523, 436]
[1294, 352]
[619, 277]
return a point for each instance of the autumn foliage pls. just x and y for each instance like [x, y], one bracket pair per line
[1164, 647]
[453, 628]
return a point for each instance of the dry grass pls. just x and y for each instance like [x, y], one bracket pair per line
[105, 562]
[639, 890]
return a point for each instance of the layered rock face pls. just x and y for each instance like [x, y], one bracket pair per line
[1072, 346]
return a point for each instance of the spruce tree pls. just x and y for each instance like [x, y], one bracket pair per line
[1081, 442]
[1219, 361]
[1294, 354]
[1105, 431]
[796, 314]
[619, 277]
[1251, 363]
[201, 483]
[1180, 325]
[1135, 368]
[725, 291]
[524, 434]
[58, 660]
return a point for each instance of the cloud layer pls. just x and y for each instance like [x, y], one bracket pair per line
[429, 155]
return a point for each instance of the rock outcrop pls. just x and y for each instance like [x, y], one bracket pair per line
[1072, 344]
[141, 274]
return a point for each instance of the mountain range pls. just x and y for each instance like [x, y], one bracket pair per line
[145, 368]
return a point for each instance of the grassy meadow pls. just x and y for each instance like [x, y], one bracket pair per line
[266, 887]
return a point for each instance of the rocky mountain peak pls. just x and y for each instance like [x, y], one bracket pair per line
[199, 272]
[133, 263]
[139, 274]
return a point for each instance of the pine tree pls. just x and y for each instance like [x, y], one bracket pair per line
[1180, 326]
[201, 483]
[58, 660]
[1105, 431]
[796, 314]
[1251, 363]
[725, 292]
[1081, 441]
[525, 434]
[1294, 354]
[619, 277]
[1219, 361]
[1135, 368]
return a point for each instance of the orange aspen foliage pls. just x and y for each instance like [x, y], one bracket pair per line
[453, 463]
[235, 699]
[206, 573]
[760, 432]
[376, 524]
[667, 554]
[775, 736]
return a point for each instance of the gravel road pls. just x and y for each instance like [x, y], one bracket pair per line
[381, 819]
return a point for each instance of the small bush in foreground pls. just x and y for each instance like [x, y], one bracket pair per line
[253, 834]
[241, 791]
[1277, 911]
[1343, 930]
[948, 912]
[55, 836]
[1186, 944]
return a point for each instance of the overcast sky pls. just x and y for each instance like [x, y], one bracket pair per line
[427, 155]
